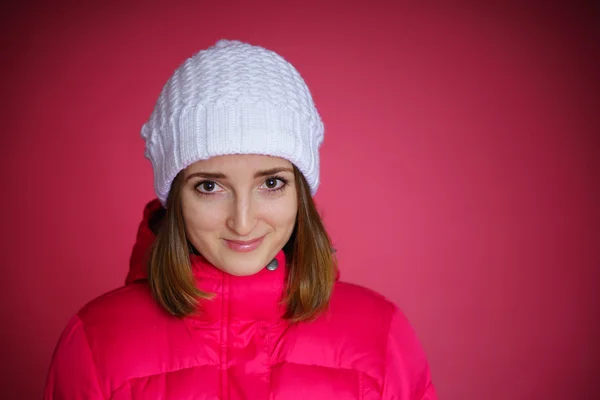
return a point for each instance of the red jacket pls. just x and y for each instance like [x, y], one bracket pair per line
[122, 345]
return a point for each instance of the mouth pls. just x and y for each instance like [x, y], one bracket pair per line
[244, 246]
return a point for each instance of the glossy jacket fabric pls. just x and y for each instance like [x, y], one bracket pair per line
[122, 345]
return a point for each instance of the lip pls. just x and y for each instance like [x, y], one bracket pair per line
[244, 246]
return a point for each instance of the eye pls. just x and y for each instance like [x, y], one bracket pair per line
[274, 183]
[208, 187]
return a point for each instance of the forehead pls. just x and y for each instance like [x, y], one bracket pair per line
[238, 163]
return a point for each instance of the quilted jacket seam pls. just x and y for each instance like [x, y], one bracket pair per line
[128, 381]
[355, 370]
[360, 385]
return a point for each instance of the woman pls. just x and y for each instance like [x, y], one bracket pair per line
[233, 290]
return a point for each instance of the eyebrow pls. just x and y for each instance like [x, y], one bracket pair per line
[219, 175]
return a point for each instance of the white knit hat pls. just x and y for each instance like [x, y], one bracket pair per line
[233, 98]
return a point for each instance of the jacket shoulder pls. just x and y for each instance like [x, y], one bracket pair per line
[349, 299]
[113, 307]
[352, 334]
[121, 326]
[128, 314]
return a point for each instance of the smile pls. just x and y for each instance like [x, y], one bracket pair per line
[244, 245]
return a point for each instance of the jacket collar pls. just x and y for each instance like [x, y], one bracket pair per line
[257, 296]
[251, 297]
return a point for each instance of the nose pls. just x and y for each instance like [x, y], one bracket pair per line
[242, 217]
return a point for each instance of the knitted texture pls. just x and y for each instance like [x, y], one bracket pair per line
[232, 98]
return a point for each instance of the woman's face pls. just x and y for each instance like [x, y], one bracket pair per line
[239, 210]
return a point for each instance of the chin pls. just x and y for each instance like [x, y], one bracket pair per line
[242, 270]
[244, 264]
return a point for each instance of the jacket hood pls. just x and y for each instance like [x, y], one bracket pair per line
[141, 248]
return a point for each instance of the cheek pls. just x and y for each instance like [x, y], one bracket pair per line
[202, 219]
[282, 214]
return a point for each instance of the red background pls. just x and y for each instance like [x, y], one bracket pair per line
[460, 170]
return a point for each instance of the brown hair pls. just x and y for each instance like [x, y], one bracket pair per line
[311, 271]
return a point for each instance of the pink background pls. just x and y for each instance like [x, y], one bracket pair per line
[460, 170]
